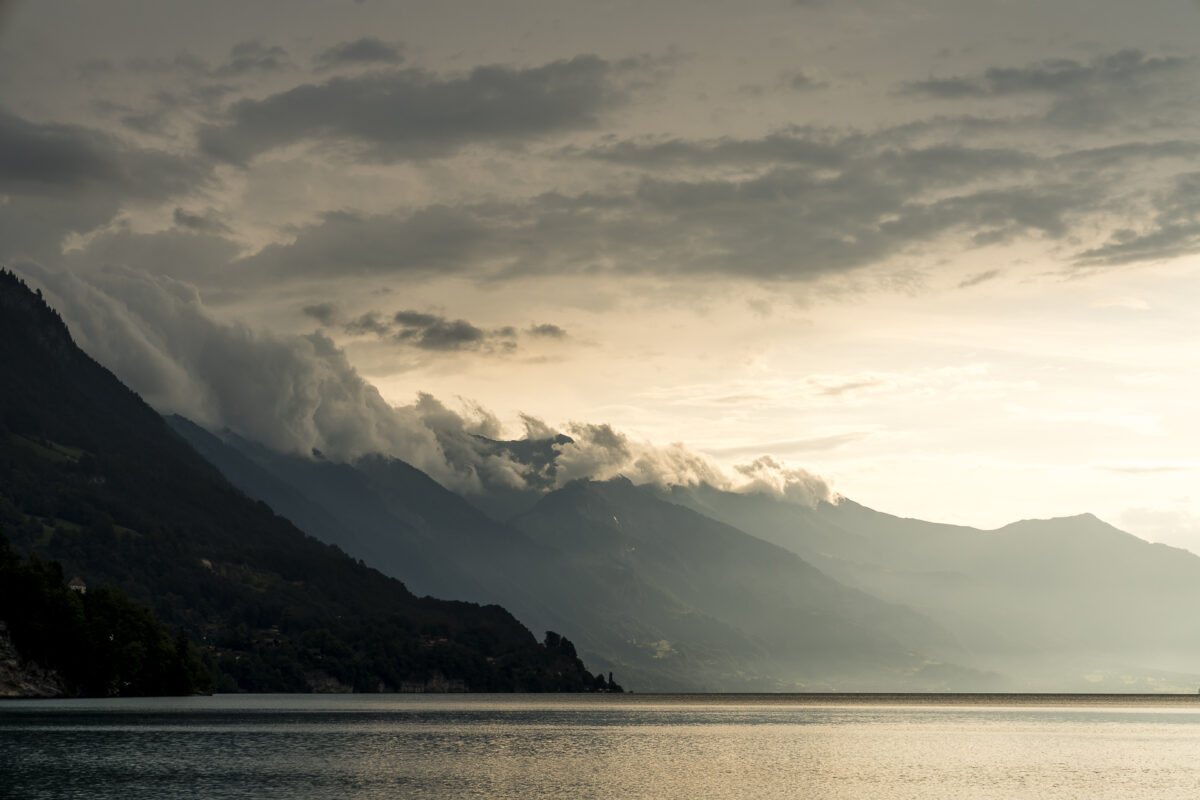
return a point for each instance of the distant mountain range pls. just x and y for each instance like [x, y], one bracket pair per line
[95, 479]
[669, 598]
[697, 588]
[673, 588]
[1070, 603]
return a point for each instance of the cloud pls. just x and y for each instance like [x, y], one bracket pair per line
[765, 475]
[208, 222]
[811, 445]
[1127, 68]
[547, 331]
[799, 82]
[40, 158]
[598, 452]
[443, 334]
[300, 393]
[252, 56]
[414, 114]
[433, 240]
[324, 313]
[244, 58]
[1108, 88]
[794, 205]
[371, 322]
[291, 393]
[432, 331]
[367, 50]
[833, 207]
[1173, 231]
[1145, 468]
[60, 179]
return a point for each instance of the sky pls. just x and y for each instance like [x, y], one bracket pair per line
[938, 257]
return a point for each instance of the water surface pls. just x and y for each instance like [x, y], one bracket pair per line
[634, 746]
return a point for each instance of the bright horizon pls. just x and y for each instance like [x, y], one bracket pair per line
[944, 257]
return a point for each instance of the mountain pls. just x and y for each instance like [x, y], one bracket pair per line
[670, 599]
[397, 519]
[730, 606]
[94, 478]
[1066, 604]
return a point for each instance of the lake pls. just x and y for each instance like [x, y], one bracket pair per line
[605, 746]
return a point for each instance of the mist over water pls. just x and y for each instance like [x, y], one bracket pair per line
[628, 747]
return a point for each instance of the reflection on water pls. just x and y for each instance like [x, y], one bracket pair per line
[640, 746]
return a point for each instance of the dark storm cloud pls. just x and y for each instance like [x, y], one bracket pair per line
[367, 50]
[794, 204]
[412, 113]
[50, 157]
[819, 206]
[57, 178]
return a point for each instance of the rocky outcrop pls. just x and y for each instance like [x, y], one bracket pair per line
[21, 678]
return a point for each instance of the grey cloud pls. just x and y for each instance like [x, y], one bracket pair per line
[367, 50]
[415, 319]
[404, 114]
[1106, 89]
[800, 82]
[208, 222]
[794, 146]
[292, 393]
[437, 239]
[797, 204]
[862, 204]
[547, 331]
[57, 179]
[39, 157]
[444, 334]
[1127, 68]
[430, 331]
[300, 393]
[1173, 231]
[370, 323]
[250, 56]
[178, 251]
[183, 62]
[324, 313]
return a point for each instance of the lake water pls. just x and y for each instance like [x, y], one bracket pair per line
[633, 746]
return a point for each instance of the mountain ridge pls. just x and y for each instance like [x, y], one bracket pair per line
[97, 480]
